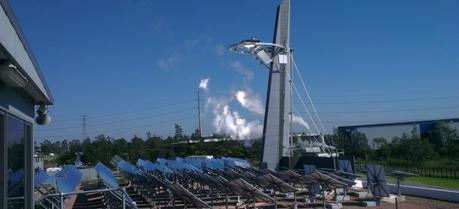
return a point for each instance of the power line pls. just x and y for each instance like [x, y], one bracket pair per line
[121, 121]
[123, 129]
[384, 111]
[390, 101]
[376, 121]
[132, 111]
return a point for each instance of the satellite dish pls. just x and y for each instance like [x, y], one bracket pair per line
[376, 181]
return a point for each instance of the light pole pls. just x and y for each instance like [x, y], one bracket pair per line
[262, 51]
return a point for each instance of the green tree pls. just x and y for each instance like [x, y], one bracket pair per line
[356, 145]
[445, 140]
[178, 132]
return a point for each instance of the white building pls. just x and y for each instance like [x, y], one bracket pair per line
[392, 130]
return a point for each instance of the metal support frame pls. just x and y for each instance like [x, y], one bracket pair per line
[109, 190]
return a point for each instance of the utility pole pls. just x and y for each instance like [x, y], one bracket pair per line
[199, 116]
[83, 119]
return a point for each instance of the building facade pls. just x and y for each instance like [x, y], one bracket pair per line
[392, 130]
[22, 88]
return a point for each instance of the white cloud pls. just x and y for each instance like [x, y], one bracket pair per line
[167, 63]
[247, 75]
[219, 49]
[204, 84]
[201, 41]
[251, 102]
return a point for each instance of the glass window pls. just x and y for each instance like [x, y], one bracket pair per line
[16, 162]
[2, 157]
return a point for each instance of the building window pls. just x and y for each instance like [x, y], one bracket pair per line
[16, 138]
[2, 159]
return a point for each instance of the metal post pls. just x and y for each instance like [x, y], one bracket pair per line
[295, 206]
[199, 116]
[336, 196]
[124, 199]
[323, 196]
[226, 200]
[334, 163]
[62, 200]
[275, 201]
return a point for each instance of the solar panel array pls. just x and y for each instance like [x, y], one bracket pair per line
[115, 198]
[202, 182]
[67, 179]
[64, 181]
[41, 177]
[190, 181]
[106, 175]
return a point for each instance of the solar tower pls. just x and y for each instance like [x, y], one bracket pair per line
[278, 116]
[277, 121]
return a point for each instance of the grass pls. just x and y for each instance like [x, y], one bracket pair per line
[441, 183]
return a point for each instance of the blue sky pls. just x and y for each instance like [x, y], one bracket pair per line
[135, 66]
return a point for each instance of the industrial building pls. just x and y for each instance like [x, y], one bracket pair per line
[392, 130]
[22, 88]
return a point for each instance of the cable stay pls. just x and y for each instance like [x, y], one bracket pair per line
[318, 126]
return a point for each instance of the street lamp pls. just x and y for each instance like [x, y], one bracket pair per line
[265, 52]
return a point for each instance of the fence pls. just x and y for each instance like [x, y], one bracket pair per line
[421, 171]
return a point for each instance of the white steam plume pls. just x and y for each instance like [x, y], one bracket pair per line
[299, 120]
[231, 123]
[250, 102]
[204, 84]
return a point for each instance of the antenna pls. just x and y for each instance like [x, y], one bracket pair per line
[199, 115]
[83, 119]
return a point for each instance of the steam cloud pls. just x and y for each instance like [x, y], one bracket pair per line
[204, 84]
[231, 123]
[299, 120]
[227, 121]
[252, 103]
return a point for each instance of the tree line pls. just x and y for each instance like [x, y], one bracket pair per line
[103, 148]
[440, 147]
